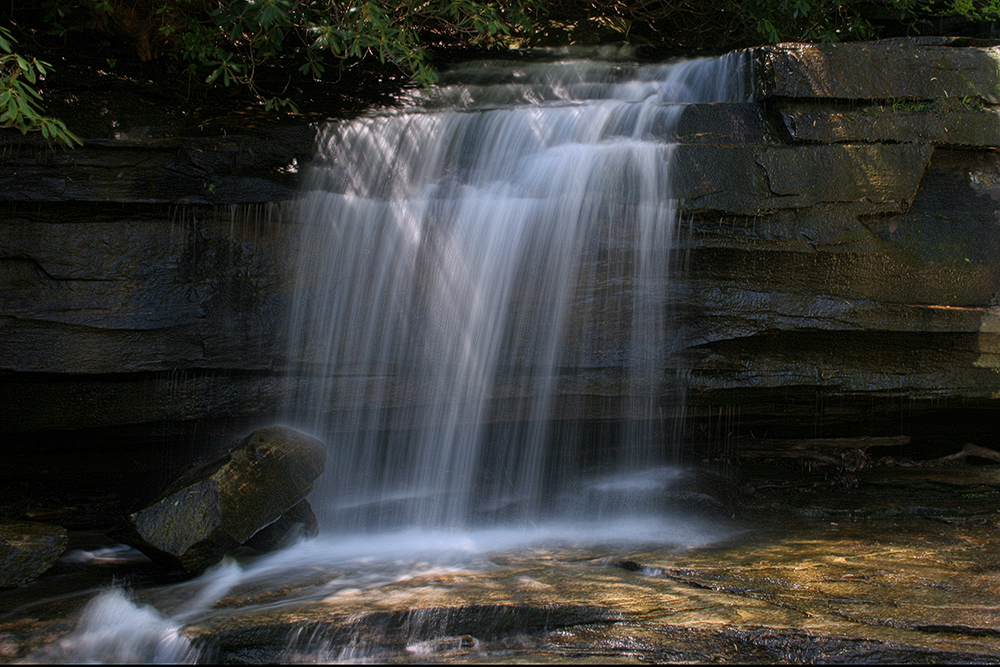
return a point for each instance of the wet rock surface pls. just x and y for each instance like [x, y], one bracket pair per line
[27, 549]
[296, 522]
[212, 510]
[907, 69]
[897, 567]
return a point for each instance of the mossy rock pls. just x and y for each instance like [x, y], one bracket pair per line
[213, 509]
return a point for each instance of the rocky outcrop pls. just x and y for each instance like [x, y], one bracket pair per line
[163, 165]
[213, 509]
[873, 272]
[28, 549]
[929, 68]
[112, 297]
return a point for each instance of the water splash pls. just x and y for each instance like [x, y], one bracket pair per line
[114, 629]
[476, 260]
[172, 623]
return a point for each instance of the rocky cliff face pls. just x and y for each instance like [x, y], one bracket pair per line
[145, 278]
[842, 256]
[860, 289]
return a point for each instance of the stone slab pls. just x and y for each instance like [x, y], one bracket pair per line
[884, 123]
[878, 71]
[751, 180]
[716, 123]
[160, 165]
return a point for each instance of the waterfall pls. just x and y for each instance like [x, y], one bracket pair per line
[476, 262]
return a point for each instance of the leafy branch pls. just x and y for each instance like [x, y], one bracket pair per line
[231, 42]
[840, 20]
[20, 102]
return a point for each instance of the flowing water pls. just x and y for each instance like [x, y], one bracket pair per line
[471, 262]
[900, 569]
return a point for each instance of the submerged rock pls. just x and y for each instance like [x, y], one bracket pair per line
[213, 509]
[27, 549]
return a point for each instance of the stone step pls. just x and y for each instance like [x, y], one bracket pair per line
[882, 70]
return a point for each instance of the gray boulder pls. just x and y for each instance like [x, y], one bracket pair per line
[213, 509]
[27, 549]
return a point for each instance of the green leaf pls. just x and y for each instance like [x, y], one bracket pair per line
[24, 106]
[215, 75]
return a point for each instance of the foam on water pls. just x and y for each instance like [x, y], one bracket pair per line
[114, 629]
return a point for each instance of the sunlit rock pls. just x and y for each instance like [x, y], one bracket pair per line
[902, 69]
[214, 509]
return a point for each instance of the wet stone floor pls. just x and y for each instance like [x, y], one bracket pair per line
[903, 567]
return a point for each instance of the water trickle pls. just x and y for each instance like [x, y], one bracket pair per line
[475, 261]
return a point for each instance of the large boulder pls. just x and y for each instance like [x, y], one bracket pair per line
[27, 549]
[213, 509]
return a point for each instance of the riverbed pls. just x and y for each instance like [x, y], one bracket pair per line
[895, 564]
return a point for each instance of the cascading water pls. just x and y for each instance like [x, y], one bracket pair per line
[474, 261]
[472, 264]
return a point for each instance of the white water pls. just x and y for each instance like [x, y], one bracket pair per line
[153, 625]
[114, 629]
[475, 262]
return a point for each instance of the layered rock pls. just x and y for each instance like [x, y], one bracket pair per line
[118, 296]
[874, 274]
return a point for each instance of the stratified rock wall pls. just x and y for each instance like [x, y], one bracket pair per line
[873, 275]
[118, 313]
[144, 282]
